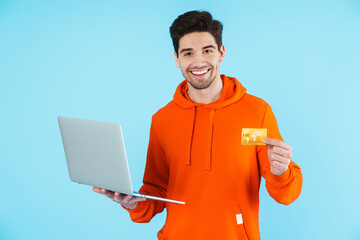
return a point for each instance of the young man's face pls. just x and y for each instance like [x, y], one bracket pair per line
[199, 59]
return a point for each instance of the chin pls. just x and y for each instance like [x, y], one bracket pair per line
[203, 85]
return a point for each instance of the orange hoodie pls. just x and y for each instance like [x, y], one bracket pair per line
[195, 155]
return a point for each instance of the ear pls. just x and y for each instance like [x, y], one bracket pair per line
[176, 60]
[222, 53]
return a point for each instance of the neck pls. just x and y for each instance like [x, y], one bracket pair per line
[207, 95]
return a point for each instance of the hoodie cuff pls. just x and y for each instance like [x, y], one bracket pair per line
[137, 210]
[280, 180]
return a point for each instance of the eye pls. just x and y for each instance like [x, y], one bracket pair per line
[208, 51]
[187, 54]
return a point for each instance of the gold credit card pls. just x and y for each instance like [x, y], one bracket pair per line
[253, 136]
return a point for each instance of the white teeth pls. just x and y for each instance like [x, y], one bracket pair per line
[200, 72]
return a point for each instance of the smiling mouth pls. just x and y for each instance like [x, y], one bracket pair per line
[200, 73]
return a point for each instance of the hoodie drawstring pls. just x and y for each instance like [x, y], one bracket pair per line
[188, 160]
[209, 159]
[211, 125]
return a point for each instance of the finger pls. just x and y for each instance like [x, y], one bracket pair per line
[97, 190]
[134, 201]
[137, 199]
[270, 150]
[278, 168]
[121, 198]
[280, 159]
[100, 190]
[118, 197]
[273, 156]
[103, 190]
[282, 152]
[108, 193]
[276, 142]
[127, 198]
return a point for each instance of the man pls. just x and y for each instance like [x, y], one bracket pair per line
[195, 153]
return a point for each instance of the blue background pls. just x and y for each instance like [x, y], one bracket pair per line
[113, 61]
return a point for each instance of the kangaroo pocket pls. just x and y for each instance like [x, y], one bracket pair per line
[203, 222]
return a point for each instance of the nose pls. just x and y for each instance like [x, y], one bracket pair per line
[199, 61]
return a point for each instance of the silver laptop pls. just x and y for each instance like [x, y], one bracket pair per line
[95, 154]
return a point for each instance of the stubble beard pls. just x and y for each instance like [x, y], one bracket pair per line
[203, 84]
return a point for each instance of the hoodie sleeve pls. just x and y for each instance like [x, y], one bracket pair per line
[154, 182]
[285, 188]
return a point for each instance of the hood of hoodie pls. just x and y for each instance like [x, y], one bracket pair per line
[232, 92]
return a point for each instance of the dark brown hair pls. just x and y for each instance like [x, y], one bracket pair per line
[195, 21]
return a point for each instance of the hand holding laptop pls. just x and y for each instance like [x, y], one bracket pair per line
[127, 201]
[95, 154]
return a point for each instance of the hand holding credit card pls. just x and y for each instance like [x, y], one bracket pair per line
[253, 136]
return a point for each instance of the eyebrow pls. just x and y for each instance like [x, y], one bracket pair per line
[189, 49]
